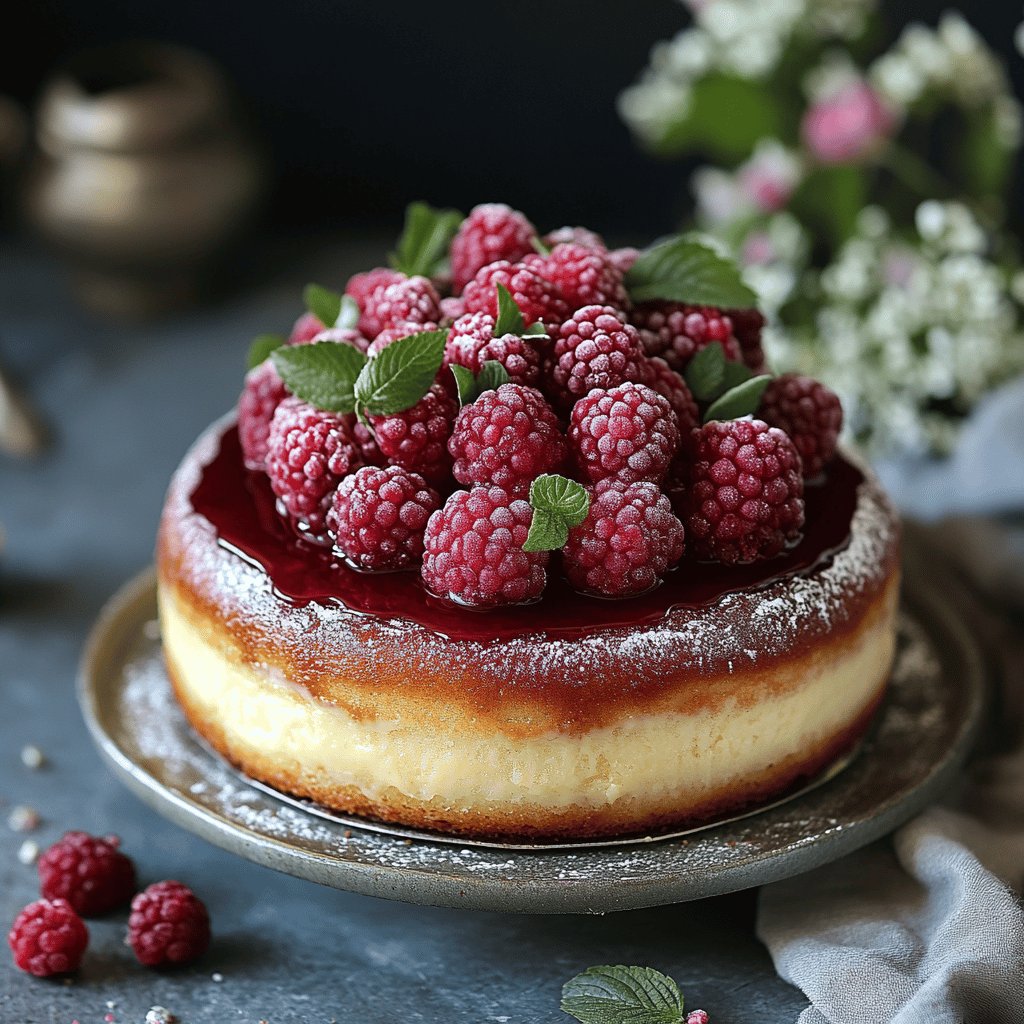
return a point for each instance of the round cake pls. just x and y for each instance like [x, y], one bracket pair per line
[717, 674]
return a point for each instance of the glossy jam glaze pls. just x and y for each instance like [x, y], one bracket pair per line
[240, 506]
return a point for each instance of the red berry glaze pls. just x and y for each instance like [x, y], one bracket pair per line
[506, 437]
[538, 299]
[91, 873]
[677, 332]
[810, 413]
[474, 550]
[491, 232]
[168, 926]
[746, 491]
[48, 938]
[417, 438]
[585, 276]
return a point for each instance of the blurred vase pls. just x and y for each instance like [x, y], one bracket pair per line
[143, 175]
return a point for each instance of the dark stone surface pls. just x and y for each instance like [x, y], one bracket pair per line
[124, 403]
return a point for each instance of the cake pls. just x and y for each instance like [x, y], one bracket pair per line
[663, 599]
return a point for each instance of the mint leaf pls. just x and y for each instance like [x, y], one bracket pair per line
[400, 374]
[324, 304]
[739, 401]
[623, 995]
[537, 330]
[735, 373]
[423, 245]
[465, 383]
[348, 314]
[261, 347]
[510, 319]
[323, 373]
[539, 246]
[558, 504]
[684, 269]
[491, 376]
[705, 373]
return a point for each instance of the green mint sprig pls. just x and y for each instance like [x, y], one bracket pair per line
[323, 373]
[739, 401]
[558, 505]
[728, 389]
[623, 995]
[331, 308]
[510, 317]
[423, 245]
[491, 376]
[261, 347]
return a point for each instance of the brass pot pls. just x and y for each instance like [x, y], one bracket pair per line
[142, 175]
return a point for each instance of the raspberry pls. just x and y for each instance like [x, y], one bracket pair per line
[697, 1017]
[594, 349]
[417, 439]
[90, 873]
[410, 300]
[362, 286]
[306, 328]
[474, 550]
[451, 309]
[365, 442]
[746, 491]
[677, 332]
[262, 393]
[585, 277]
[628, 432]
[506, 437]
[308, 452]
[466, 337]
[168, 925]
[660, 377]
[580, 236]
[378, 517]
[343, 334]
[390, 334]
[490, 233]
[47, 938]
[537, 298]
[471, 343]
[747, 325]
[809, 413]
[623, 259]
[628, 540]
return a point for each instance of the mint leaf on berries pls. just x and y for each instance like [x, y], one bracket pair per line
[623, 995]
[400, 374]
[685, 269]
[348, 314]
[741, 400]
[705, 373]
[423, 245]
[324, 304]
[510, 318]
[558, 504]
[491, 376]
[323, 373]
[261, 348]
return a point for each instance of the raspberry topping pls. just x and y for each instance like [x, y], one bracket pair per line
[362, 286]
[391, 334]
[660, 377]
[262, 393]
[538, 299]
[810, 413]
[628, 432]
[466, 337]
[579, 235]
[378, 517]
[306, 328]
[628, 540]
[308, 452]
[623, 259]
[474, 550]
[594, 349]
[168, 925]
[506, 437]
[677, 332]
[344, 334]
[585, 276]
[48, 938]
[409, 300]
[491, 232]
[747, 325]
[746, 491]
[417, 438]
[697, 1017]
[90, 873]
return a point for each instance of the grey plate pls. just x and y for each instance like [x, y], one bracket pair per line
[921, 738]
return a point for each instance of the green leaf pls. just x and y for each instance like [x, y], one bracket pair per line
[536, 330]
[423, 245]
[465, 383]
[735, 373]
[510, 319]
[558, 504]
[261, 348]
[741, 400]
[539, 246]
[491, 376]
[324, 304]
[684, 269]
[400, 374]
[323, 373]
[623, 995]
[348, 314]
[705, 373]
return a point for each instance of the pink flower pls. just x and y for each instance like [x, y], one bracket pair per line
[847, 126]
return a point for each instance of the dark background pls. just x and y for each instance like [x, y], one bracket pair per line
[367, 104]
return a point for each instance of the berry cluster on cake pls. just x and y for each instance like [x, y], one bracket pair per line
[519, 536]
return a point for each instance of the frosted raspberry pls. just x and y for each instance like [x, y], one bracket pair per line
[538, 299]
[378, 517]
[506, 437]
[168, 925]
[452, 307]
[466, 337]
[594, 349]
[747, 325]
[628, 432]
[362, 286]
[677, 332]
[306, 328]
[578, 235]
[417, 438]
[410, 300]
[697, 1017]
[660, 377]
[346, 335]
[90, 873]
[746, 491]
[308, 452]
[474, 550]
[399, 331]
[809, 413]
[491, 232]
[623, 259]
[585, 277]
[366, 443]
[48, 938]
[628, 540]
[471, 343]
[262, 393]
